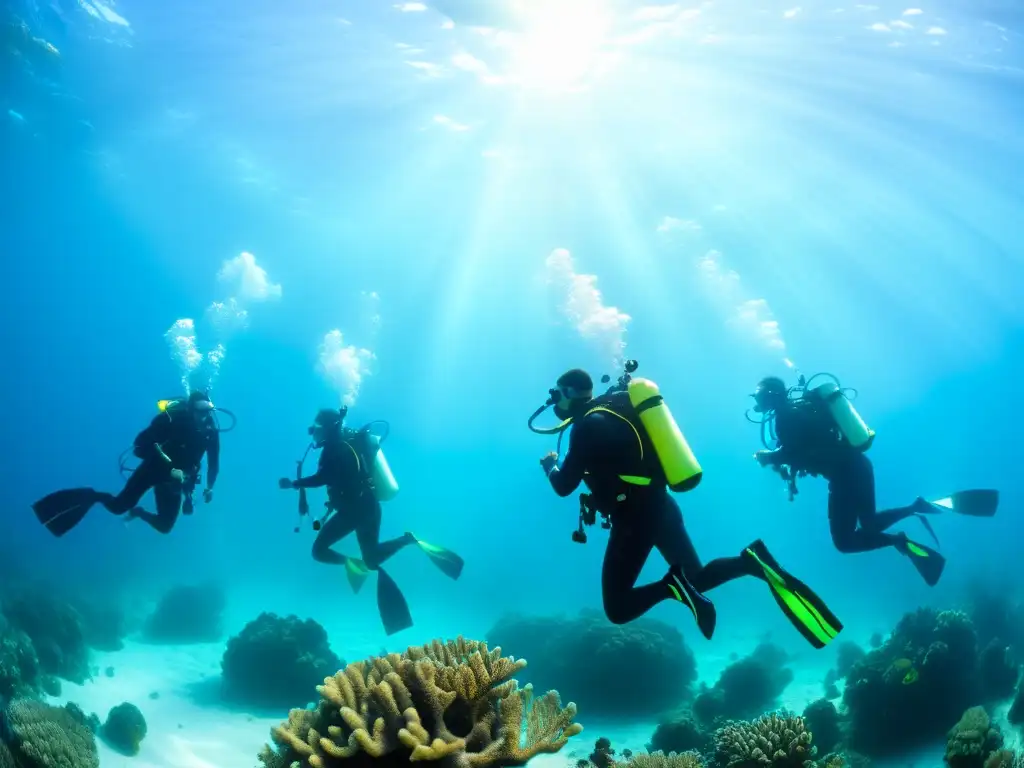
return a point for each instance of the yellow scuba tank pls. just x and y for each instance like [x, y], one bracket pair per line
[682, 470]
[385, 487]
[850, 424]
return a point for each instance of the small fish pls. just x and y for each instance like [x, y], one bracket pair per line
[910, 677]
[906, 666]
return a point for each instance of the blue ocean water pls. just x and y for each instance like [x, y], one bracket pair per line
[428, 211]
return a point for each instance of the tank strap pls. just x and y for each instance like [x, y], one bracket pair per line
[651, 402]
[635, 480]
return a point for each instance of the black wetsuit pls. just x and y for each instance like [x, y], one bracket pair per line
[603, 446]
[184, 441]
[810, 442]
[344, 468]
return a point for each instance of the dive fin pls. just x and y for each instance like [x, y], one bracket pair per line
[928, 562]
[804, 609]
[63, 510]
[973, 503]
[357, 573]
[449, 563]
[704, 611]
[394, 611]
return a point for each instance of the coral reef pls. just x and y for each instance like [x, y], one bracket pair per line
[922, 679]
[124, 729]
[276, 662]
[603, 755]
[55, 629]
[187, 614]
[661, 760]
[1016, 713]
[103, 623]
[778, 740]
[454, 703]
[565, 651]
[41, 736]
[997, 671]
[679, 733]
[997, 614]
[821, 718]
[972, 740]
[746, 688]
[19, 667]
[1005, 758]
[847, 655]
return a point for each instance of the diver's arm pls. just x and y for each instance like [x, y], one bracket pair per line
[212, 459]
[567, 478]
[147, 443]
[323, 471]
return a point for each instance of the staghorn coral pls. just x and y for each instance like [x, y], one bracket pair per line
[972, 740]
[661, 760]
[455, 703]
[41, 736]
[779, 740]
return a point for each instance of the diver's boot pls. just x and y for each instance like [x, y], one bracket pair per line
[922, 506]
[804, 609]
[926, 560]
[683, 591]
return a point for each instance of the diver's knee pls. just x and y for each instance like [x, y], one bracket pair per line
[615, 613]
[163, 526]
[845, 545]
[321, 554]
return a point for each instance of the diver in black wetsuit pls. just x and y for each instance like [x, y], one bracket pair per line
[172, 449]
[611, 452]
[810, 442]
[346, 467]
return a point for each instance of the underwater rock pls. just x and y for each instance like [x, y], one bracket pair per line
[603, 755]
[821, 718]
[55, 629]
[972, 740]
[997, 614]
[276, 662]
[998, 671]
[50, 685]
[458, 702]
[187, 614]
[679, 733]
[908, 691]
[876, 640]
[124, 729]
[564, 652]
[745, 688]
[847, 654]
[103, 623]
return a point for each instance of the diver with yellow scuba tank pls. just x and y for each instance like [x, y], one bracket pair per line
[171, 449]
[358, 479]
[818, 432]
[626, 447]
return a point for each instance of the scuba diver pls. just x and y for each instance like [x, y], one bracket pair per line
[819, 432]
[171, 448]
[626, 447]
[355, 471]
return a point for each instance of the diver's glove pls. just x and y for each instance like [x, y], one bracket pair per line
[549, 462]
[178, 475]
[285, 483]
[207, 495]
[765, 458]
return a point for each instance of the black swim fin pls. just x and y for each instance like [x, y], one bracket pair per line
[449, 563]
[394, 611]
[703, 610]
[63, 510]
[928, 562]
[973, 503]
[804, 609]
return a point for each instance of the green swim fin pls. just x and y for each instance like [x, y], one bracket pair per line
[928, 562]
[449, 563]
[973, 503]
[63, 510]
[394, 611]
[804, 609]
[357, 573]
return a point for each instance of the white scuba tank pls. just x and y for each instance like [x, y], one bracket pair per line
[850, 424]
[385, 487]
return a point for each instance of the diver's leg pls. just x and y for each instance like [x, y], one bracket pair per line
[847, 504]
[139, 482]
[872, 520]
[338, 526]
[629, 546]
[676, 546]
[168, 505]
[376, 552]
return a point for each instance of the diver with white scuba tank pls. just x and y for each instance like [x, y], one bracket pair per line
[358, 479]
[817, 431]
[626, 447]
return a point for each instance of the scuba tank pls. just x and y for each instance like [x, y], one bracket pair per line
[382, 479]
[678, 462]
[840, 407]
